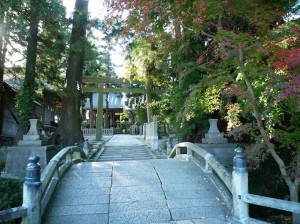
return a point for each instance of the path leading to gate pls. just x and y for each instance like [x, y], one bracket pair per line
[124, 147]
[136, 192]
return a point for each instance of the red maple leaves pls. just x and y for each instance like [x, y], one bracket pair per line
[287, 59]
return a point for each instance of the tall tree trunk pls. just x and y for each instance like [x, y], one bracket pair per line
[2, 56]
[69, 128]
[2, 34]
[25, 97]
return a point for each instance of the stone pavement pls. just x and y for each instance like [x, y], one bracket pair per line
[136, 192]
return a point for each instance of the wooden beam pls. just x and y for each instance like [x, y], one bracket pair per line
[101, 79]
[121, 90]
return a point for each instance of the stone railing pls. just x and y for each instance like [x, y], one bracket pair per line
[236, 183]
[92, 131]
[38, 189]
[88, 131]
[108, 131]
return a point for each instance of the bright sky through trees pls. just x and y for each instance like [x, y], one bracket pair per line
[97, 10]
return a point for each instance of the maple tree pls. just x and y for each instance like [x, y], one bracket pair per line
[248, 68]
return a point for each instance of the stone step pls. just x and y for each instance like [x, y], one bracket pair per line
[129, 152]
[125, 156]
[120, 153]
[122, 159]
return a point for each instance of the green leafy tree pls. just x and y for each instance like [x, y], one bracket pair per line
[247, 63]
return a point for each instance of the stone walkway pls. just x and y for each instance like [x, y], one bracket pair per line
[137, 192]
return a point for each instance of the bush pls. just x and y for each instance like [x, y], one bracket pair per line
[2, 166]
[11, 195]
[11, 191]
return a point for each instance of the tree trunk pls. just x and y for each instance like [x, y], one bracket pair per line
[2, 34]
[149, 99]
[2, 56]
[25, 97]
[69, 128]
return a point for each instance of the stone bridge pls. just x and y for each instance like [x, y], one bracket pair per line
[126, 184]
[136, 190]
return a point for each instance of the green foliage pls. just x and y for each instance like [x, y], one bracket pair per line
[25, 105]
[141, 114]
[11, 191]
[2, 166]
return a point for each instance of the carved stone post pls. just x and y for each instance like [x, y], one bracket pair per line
[239, 186]
[86, 147]
[32, 190]
[34, 127]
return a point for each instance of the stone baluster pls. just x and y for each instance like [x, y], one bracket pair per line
[32, 190]
[240, 185]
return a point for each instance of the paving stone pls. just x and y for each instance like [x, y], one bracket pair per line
[198, 212]
[183, 180]
[138, 205]
[83, 178]
[184, 194]
[139, 217]
[146, 175]
[135, 181]
[102, 173]
[78, 219]
[182, 186]
[86, 184]
[80, 200]
[137, 197]
[66, 191]
[219, 220]
[135, 189]
[92, 165]
[193, 202]
[77, 209]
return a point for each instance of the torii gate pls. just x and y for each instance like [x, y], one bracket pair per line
[123, 89]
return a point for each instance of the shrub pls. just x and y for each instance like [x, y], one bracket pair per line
[11, 191]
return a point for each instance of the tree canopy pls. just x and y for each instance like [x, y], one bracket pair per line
[233, 60]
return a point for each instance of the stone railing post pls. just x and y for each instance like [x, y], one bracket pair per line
[75, 153]
[32, 190]
[178, 151]
[239, 185]
[169, 146]
[144, 130]
[86, 146]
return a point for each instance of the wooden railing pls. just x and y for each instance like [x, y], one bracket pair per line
[92, 131]
[236, 183]
[38, 189]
